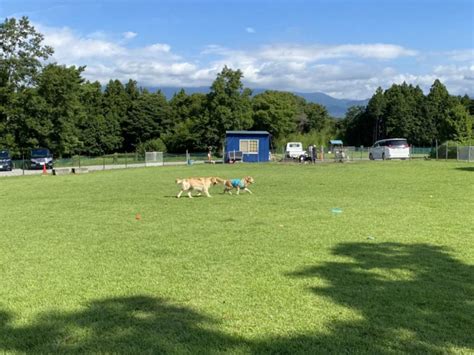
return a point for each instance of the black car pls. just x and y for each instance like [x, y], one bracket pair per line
[6, 163]
[39, 158]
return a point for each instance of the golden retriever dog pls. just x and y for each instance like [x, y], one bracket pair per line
[238, 184]
[200, 184]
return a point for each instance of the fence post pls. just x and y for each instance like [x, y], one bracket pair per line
[125, 160]
[103, 161]
[469, 153]
[457, 151]
[446, 154]
[23, 164]
[436, 149]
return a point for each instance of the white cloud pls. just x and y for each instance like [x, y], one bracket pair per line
[318, 52]
[342, 70]
[129, 35]
[464, 55]
[69, 46]
[250, 30]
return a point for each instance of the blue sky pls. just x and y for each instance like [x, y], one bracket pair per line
[343, 48]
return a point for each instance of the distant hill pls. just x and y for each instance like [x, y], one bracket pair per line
[336, 107]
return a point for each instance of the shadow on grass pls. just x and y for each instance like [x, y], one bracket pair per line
[401, 298]
[407, 298]
[119, 325]
[466, 168]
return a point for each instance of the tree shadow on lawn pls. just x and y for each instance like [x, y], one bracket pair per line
[410, 298]
[466, 168]
[406, 298]
[125, 325]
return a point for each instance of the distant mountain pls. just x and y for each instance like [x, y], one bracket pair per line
[336, 107]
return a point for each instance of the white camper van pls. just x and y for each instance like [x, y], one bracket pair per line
[295, 150]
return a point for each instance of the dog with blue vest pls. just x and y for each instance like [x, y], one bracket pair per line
[238, 184]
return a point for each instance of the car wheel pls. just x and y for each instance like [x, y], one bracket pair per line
[383, 156]
[371, 157]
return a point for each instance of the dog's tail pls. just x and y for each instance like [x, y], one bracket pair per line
[220, 180]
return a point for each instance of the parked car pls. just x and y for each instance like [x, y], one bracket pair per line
[6, 163]
[39, 158]
[394, 148]
[295, 150]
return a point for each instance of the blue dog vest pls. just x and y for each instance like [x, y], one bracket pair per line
[237, 183]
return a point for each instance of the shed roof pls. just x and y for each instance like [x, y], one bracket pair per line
[247, 132]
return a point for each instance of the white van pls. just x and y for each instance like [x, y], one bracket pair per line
[295, 150]
[394, 148]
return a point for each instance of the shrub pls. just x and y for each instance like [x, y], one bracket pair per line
[154, 145]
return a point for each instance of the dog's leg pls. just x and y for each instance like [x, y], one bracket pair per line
[246, 189]
[227, 187]
[189, 194]
[238, 190]
[179, 194]
[206, 192]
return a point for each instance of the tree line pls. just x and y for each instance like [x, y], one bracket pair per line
[51, 105]
[404, 111]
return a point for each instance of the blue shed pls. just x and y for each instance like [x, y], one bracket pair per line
[247, 146]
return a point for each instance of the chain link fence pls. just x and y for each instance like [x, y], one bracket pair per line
[84, 163]
[324, 154]
[351, 153]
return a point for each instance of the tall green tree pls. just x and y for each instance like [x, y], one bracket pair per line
[276, 112]
[30, 122]
[21, 52]
[229, 105]
[60, 87]
[317, 117]
[132, 90]
[448, 114]
[357, 127]
[116, 103]
[375, 112]
[189, 130]
[97, 134]
[148, 118]
[397, 121]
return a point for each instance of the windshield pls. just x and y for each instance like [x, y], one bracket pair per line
[294, 145]
[39, 153]
[4, 154]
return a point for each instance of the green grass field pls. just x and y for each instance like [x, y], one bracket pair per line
[272, 272]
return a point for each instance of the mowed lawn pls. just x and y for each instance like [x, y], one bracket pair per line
[272, 272]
